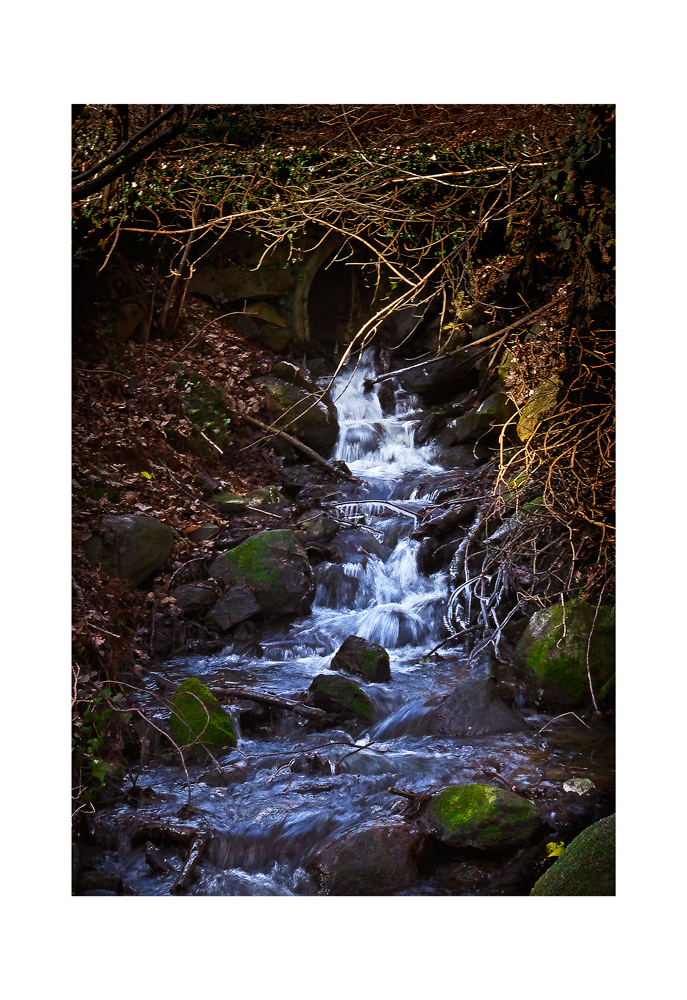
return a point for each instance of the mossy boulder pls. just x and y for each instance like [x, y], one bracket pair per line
[130, 546]
[366, 659]
[318, 527]
[586, 867]
[340, 697]
[551, 655]
[480, 816]
[198, 719]
[276, 569]
[305, 416]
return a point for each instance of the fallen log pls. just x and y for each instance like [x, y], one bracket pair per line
[267, 698]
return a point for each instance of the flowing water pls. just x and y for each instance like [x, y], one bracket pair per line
[285, 791]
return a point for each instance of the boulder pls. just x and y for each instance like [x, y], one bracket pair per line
[130, 546]
[229, 504]
[235, 605]
[340, 697]
[551, 656]
[198, 718]
[367, 659]
[307, 417]
[493, 412]
[445, 377]
[193, 597]
[276, 569]
[377, 858]
[586, 867]
[474, 708]
[480, 816]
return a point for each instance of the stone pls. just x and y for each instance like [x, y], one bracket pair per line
[198, 718]
[493, 412]
[340, 697]
[317, 526]
[130, 546]
[193, 597]
[377, 858]
[474, 708]
[366, 659]
[235, 605]
[586, 867]
[229, 504]
[306, 417]
[480, 816]
[276, 569]
[448, 375]
[202, 532]
[551, 655]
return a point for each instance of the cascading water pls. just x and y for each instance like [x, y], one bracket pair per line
[285, 792]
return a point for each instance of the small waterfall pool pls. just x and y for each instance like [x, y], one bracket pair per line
[287, 790]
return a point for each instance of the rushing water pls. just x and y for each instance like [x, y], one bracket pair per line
[285, 791]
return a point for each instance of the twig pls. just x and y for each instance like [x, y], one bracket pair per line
[589, 642]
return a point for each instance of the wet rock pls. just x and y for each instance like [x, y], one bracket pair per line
[340, 697]
[367, 659]
[276, 569]
[226, 776]
[480, 816]
[586, 866]
[235, 605]
[474, 708]
[552, 655]
[95, 883]
[378, 858]
[268, 499]
[170, 637]
[130, 546]
[198, 718]
[193, 597]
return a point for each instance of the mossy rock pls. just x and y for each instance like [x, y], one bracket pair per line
[130, 546]
[480, 816]
[586, 867]
[198, 719]
[366, 659]
[276, 569]
[340, 697]
[306, 417]
[228, 503]
[540, 403]
[551, 655]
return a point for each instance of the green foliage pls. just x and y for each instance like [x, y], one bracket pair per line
[206, 406]
[96, 740]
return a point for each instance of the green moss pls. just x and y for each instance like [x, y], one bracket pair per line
[586, 867]
[340, 696]
[481, 816]
[198, 718]
[554, 650]
[250, 562]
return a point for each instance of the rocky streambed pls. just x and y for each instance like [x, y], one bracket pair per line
[338, 735]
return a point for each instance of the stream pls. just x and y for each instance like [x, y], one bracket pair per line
[287, 790]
